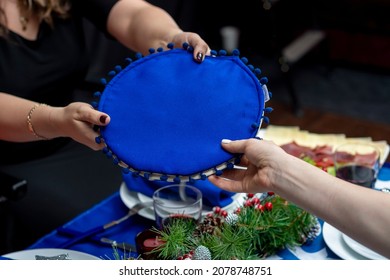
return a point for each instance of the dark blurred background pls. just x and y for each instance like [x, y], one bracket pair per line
[328, 64]
[327, 55]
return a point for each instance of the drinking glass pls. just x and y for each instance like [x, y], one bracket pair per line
[177, 201]
[357, 163]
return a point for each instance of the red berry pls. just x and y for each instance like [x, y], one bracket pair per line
[255, 200]
[238, 210]
[260, 207]
[271, 193]
[224, 213]
[216, 209]
[268, 206]
[248, 203]
[250, 195]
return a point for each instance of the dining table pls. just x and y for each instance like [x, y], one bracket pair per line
[125, 233]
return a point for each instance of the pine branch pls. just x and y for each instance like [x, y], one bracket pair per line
[256, 232]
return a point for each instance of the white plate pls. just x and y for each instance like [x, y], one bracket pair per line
[333, 238]
[361, 249]
[130, 198]
[30, 254]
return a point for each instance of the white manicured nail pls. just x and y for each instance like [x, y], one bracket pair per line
[226, 141]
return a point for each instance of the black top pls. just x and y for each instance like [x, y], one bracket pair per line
[49, 69]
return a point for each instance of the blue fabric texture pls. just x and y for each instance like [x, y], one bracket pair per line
[212, 195]
[170, 113]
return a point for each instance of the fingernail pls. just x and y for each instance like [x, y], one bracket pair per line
[103, 119]
[226, 141]
[199, 56]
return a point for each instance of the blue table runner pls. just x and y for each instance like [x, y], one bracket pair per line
[113, 208]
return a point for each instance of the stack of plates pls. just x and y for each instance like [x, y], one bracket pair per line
[345, 247]
[130, 198]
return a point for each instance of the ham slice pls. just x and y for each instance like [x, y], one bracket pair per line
[323, 156]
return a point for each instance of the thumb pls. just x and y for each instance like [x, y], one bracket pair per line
[236, 147]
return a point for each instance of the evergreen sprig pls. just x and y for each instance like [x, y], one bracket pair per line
[233, 243]
[259, 232]
[177, 237]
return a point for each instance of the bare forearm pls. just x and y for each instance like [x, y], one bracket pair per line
[23, 120]
[13, 118]
[359, 212]
[140, 26]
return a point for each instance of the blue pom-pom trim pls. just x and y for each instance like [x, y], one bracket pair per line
[222, 52]
[164, 177]
[185, 45]
[255, 125]
[94, 104]
[112, 73]
[103, 81]
[244, 60]
[266, 119]
[138, 55]
[263, 80]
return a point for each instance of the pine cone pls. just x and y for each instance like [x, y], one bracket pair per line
[313, 231]
[208, 225]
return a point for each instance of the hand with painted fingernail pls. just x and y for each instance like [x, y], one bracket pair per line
[80, 122]
[194, 41]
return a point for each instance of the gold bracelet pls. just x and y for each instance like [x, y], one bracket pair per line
[29, 123]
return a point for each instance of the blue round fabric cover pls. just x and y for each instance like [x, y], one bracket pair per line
[170, 113]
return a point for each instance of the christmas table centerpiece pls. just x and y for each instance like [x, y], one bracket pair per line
[263, 225]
